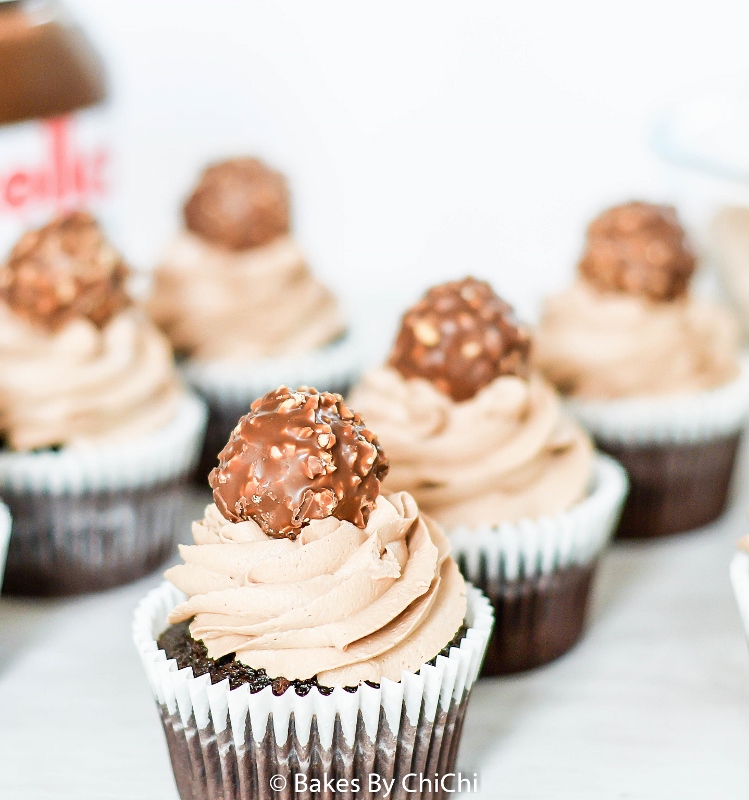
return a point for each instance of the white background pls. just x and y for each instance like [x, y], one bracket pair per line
[424, 140]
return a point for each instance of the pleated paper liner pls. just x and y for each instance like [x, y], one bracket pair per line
[538, 573]
[87, 519]
[5, 523]
[230, 388]
[679, 452]
[233, 745]
[740, 583]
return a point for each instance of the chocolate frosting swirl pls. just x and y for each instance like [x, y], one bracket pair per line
[63, 271]
[82, 385]
[461, 336]
[339, 602]
[509, 452]
[296, 457]
[238, 204]
[216, 304]
[594, 345]
[640, 249]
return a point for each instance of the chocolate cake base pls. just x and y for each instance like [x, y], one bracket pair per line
[537, 619]
[673, 487]
[178, 644]
[222, 419]
[71, 544]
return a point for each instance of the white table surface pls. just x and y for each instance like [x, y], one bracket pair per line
[654, 703]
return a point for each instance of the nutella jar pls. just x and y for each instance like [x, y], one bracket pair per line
[55, 135]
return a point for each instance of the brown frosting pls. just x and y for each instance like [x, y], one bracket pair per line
[346, 604]
[239, 203]
[639, 249]
[63, 271]
[461, 336]
[296, 457]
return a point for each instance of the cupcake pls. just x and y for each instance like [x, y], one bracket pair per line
[236, 297]
[482, 444]
[98, 434]
[318, 629]
[650, 370]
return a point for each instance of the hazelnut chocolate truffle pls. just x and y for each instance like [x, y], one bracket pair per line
[66, 269]
[238, 204]
[461, 336]
[638, 248]
[298, 456]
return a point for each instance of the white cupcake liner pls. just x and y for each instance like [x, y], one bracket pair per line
[5, 523]
[682, 419]
[532, 547]
[229, 743]
[161, 456]
[86, 519]
[331, 368]
[740, 583]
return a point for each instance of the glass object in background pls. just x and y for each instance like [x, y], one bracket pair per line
[703, 140]
[55, 133]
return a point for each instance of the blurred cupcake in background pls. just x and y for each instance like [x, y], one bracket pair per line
[317, 626]
[652, 372]
[236, 297]
[98, 433]
[481, 442]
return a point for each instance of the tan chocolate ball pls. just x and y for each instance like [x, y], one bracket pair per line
[639, 249]
[66, 269]
[238, 204]
[461, 336]
[298, 456]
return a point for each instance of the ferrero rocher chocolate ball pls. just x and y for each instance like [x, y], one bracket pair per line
[640, 249]
[298, 456]
[461, 336]
[238, 204]
[66, 269]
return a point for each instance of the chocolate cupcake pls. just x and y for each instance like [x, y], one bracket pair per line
[481, 442]
[236, 297]
[651, 371]
[98, 433]
[318, 629]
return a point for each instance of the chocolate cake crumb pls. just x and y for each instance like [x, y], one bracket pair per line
[178, 644]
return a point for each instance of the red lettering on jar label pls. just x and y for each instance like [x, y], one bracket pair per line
[67, 174]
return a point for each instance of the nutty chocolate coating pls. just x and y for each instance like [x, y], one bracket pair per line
[65, 270]
[298, 456]
[238, 204]
[461, 336]
[640, 249]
